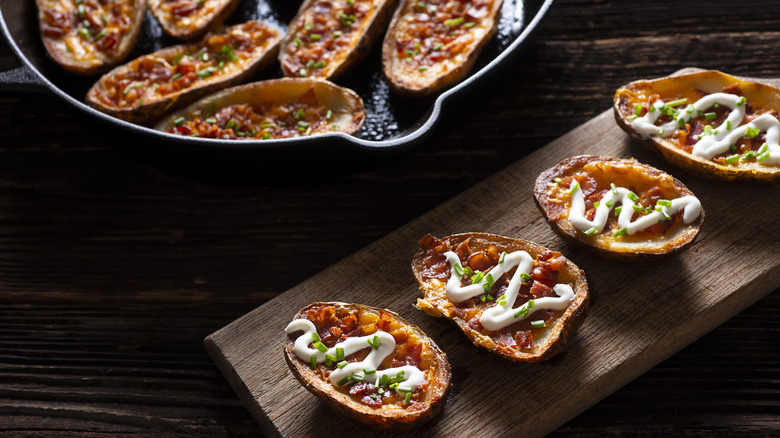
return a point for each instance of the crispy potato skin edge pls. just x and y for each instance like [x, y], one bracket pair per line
[216, 20]
[566, 325]
[358, 412]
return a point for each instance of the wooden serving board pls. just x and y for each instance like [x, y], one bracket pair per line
[639, 314]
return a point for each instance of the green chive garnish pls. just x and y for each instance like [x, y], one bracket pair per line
[618, 209]
[558, 180]
[741, 101]
[339, 353]
[574, 187]
[502, 301]
[621, 232]
[438, 47]
[320, 346]
[678, 102]
[502, 258]
[408, 397]
[732, 158]
[331, 357]
[525, 276]
[454, 21]
[489, 280]
[638, 110]
[637, 208]
[211, 120]
[590, 231]
[710, 116]
[610, 203]
[538, 324]
[344, 381]
[369, 370]
[458, 269]
[728, 125]
[762, 157]
[313, 361]
[613, 187]
[632, 196]
[179, 121]
[596, 204]
[733, 148]
[342, 364]
[476, 278]
[764, 147]
[315, 37]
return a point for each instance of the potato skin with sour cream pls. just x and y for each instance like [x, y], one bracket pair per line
[433, 45]
[595, 175]
[521, 341]
[743, 160]
[337, 321]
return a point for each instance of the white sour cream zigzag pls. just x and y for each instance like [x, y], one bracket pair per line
[502, 314]
[721, 137]
[690, 206]
[412, 376]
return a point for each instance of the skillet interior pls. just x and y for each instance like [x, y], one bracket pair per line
[392, 121]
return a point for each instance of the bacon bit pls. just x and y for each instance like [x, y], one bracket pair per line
[463, 250]
[505, 337]
[539, 290]
[475, 325]
[413, 353]
[733, 89]
[365, 391]
[479, 261]
[524, 339]
[695, 129]
[555, 210]
[384, 320]
[544, 274]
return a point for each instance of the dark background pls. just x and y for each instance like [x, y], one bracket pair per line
[115, 266]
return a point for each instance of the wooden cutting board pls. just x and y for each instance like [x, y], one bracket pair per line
[639, 314]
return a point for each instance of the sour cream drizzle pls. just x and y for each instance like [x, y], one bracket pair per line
[690, 206]
[722, 137]
[502, 315]
[412, 377]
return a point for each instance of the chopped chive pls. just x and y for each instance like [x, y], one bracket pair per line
[490, 297]
[596, 204]
[393, 385]
[179, 121]
[339, 353]
[476, 278]
[558, 180]
[422, 68]
[469, 25]
[344, 381]
[335, 34]
[298, 42]
[204, 56]
[764, 147]
[715, 105]
[621, 232]
[267, 136]
[300, 113]
[748, 156]
[458, 269]
[677, 102]
[328, 115]
[502, 301]
[741, 101]
[489, 280]
[438, 47]
[302, 72]
[369, 370]
[320, 346]
[385, 380]
[84, 33]
[405, 390]
[666, 215]
[732, 158]
[574, 187]
[380, 391]
[206, 72]
[651, 108]
[486, 287]
[728, 125]
[733, 148]
[315, 37]
[307, 26]
[454, 21]
[483, 298]
[638, 110]
[637, 208]
[632, 196]
[664, 203]
[313, 361]
[502, 258]
[320, 64]
[525, 276]
[618, 209]
[331, 357]
[310, 64]
[710, 116]
[613, 187]
[538, 324]
[590, 231]
[661, 131]
[468, 271]
[530, 304]
[408, 397]
[342, 364]
[303, 124]
[610, 203]
[762, 157]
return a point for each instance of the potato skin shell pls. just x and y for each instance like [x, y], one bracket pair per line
[565, 326]
[362, 414]
[370, 33]
[571, 235]
[671, 153]
[151, 111]
[86, 68]
[410, 87]
[170, 28]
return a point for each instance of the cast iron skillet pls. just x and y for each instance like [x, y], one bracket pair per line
[392, 123]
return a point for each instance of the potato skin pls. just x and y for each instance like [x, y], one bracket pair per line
[421, 86]
[155, 109]
[92, 67]
[368, 34]
[710, 81]
[220, 14]
[436, 304]
[638, 253]
[395, 421]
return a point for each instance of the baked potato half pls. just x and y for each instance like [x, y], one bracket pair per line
[511, 297]
[277, 108]
[433, 45]
[709, 123]
[620, 209]
[89, 36]
[186, 19]
[368, 364]
[147, 88]
[326, 39]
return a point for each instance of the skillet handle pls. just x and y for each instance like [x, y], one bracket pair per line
[16, 78]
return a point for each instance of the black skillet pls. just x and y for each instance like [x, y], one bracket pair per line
[393, 123]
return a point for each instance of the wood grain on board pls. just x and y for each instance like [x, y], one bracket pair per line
[639, 314]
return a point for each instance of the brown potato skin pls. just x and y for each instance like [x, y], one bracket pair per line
[708, 81]
[564, 327]
[85, 68]
[154, 110]
[267, 91]
[413, 87]
[370, 31]
[570, 234]
[397, 420]
[208, 22]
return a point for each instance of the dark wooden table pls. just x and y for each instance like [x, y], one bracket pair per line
[114, 267]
